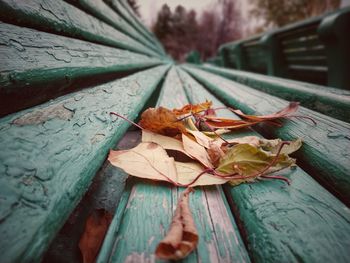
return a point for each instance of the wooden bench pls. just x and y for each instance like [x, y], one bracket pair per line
[315, 50]
[74, 62]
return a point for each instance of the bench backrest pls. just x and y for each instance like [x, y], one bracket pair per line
[315, 50]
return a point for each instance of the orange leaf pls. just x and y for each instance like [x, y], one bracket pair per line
[182, 237]
[249, 120]
[291, 108]
[193, 108]
[95, 229]
[161, 120]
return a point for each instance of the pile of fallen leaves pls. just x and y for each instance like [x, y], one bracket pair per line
[187, 148]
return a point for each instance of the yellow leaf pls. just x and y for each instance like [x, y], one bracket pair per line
[146, 160]
[188, 172]
[166, 142]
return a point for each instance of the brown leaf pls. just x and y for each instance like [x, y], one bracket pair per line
[291, 108]
[161, 120]
[193, 108]
[95, 230]
[182, 237]
[249, 120]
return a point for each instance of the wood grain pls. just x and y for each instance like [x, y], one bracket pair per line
[148, 212]
[301, 222]
[37, 66]
[329, 101]
[325, 153]
[62, 18]
[48, 160]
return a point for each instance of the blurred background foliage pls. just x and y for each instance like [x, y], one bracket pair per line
[182, 31]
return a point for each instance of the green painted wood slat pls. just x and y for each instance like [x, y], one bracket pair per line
[119, 8]
[300, 222]
[330, 101]
[37, 66]
[62, 18]
[325, 153]
[140, 22]
[141, 222]
[50, 154]
[102, 11]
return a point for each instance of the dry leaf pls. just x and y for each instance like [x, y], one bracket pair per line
[161, 120]
[249, 120]
[182, 237]
[291, 108]
[190, 174]
[146, 160]
[166, 142]
[150, 161]
[273, 145]
[201, 138]
[215, 153]
[193, 108]
[197, 151]
[250, 162]
[95, 230]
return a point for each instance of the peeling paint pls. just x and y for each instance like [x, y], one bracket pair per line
[44, 114]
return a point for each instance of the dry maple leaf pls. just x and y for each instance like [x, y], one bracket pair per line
[95, 230]
[182, 237]
[193, 108]
[161, 120]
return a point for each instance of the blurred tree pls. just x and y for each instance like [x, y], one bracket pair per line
[230, 25]
[133, 4]
[163, 24]
[181, 32]
[277, 13]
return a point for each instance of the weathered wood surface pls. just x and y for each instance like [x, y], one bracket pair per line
[102, 11]
[119, 8]
[144, 216]
[300, 222]
[62, 18]
[36, 66]
[329, 101]
[140, 22]
[50, 153]
[104, 193]
[325, 153]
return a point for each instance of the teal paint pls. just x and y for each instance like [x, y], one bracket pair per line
[103, 12]
[325, 152]
[50, 157]
[329, 101]
[69, 21]
[44, 65]
[301, 222]
[151, 205]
